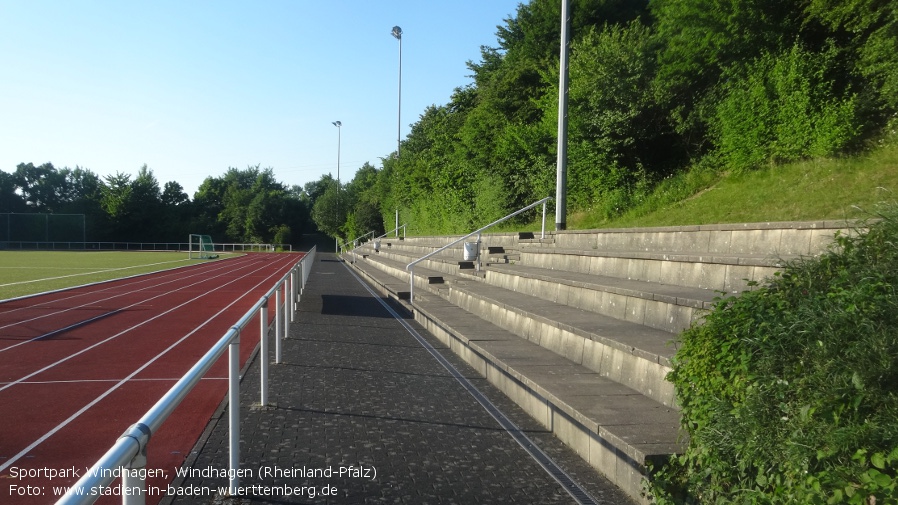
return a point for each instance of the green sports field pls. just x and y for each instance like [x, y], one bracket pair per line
[28, 272]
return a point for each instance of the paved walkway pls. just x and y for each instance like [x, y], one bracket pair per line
[359, 392]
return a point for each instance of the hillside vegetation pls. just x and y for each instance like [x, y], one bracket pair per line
[847, 187]
[668, 99]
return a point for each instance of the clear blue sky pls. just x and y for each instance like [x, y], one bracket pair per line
[192, 87]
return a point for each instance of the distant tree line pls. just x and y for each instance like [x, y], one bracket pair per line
[245, 206]
[656, 88]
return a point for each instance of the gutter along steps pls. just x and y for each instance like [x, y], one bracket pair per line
[579, 328]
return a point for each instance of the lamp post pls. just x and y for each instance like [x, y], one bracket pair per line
[397, 32]
[561, 169]
[338, 124]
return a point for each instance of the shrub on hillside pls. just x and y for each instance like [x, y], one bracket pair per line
[783, 108]
[789, 392]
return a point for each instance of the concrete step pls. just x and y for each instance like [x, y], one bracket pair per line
[613, 427]
[765, 239]
[729, 273]
[667, 307]
[445, 263]
[629, 353]
[426, 280]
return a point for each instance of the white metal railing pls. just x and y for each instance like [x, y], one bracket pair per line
[127, 457]
[396, 229]
[354, 243]
[411, 266]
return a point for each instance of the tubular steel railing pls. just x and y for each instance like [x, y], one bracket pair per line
[396, 229]
[411, 266]
[127, 457]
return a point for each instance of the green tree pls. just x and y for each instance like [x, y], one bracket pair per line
[617, 137]
[43, 187]
[173, 194]
[10, 200]
[783, 108]
[329, 212]
[700, 40]
[145, 207]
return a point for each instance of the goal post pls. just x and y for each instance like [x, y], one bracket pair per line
[201, 246]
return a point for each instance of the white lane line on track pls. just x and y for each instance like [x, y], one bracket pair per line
[90, 273]
[109, 391]
[118, 295]
[88, 381]
[157, 316]
[138, 281]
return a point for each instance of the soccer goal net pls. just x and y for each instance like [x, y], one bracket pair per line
[200, 246]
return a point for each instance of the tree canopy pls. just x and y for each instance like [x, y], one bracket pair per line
[246, 206]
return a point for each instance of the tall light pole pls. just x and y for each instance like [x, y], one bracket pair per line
[561, 169]
[338, 125]
[397, 32]
[336, 240]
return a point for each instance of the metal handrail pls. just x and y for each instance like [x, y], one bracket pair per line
[353, 241]
[411, 266]
[127, 457]
[396, 229]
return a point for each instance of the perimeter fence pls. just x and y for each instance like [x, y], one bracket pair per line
[133, 246]
[127, 458]
[38, 227]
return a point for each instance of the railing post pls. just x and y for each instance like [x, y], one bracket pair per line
[234, 411]
[543, 234]
[277, 325]
[477, 258]
[306, 268]
[411, 284]
[263, 351]
[292, 295]
[286, 310]
[134, 483]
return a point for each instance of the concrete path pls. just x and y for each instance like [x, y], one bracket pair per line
[360, 394]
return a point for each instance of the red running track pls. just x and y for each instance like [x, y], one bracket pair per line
[78, 367]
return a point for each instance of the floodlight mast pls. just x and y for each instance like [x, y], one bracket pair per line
[397, 32]
[563, 83]
[338, 124]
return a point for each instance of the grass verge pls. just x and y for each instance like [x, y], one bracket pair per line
[843, 188]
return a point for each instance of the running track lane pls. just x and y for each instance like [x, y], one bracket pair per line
[78, 367]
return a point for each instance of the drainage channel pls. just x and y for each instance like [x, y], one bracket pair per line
[579, 494]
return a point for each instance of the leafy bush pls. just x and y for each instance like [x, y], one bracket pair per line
[789, 392]
[782, 108]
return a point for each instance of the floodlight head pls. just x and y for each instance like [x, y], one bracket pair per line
[397, 32]
[337, 124]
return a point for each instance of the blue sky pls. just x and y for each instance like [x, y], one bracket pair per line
[192, 87]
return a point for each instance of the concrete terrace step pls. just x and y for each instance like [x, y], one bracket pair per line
[628, 353]
[622, 335]
[613, 427]
[425, 279]
[667, 307]
[446, 262]
[719, 272]
[768, 239]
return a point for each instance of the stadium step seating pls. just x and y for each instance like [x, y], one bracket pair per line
[579, 327]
